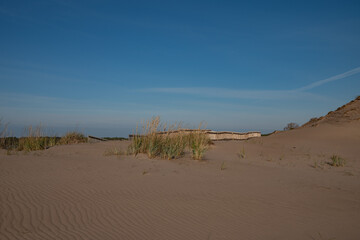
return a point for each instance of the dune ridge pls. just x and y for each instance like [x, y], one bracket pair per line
[349, 112]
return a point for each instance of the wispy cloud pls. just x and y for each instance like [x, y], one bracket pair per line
[330, 79]
[255, 94]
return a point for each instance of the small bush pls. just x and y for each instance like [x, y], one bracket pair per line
[73, 138]
[337, 161]
[291, 126]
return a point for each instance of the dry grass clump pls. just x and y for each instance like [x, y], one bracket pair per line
[73, 138]
[337, 161]
[35, 140]
[167, 142]
[199, 143]
[173, 146]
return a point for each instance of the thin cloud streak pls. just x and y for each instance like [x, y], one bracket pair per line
[254, 94]
[330, 79]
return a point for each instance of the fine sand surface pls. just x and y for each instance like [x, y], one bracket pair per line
[282, 189]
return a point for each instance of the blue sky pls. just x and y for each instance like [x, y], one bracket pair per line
[103, 66]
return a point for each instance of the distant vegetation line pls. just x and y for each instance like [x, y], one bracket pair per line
[36, 139]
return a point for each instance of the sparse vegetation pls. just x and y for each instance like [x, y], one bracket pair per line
[291, 126]
[73, 138]
[319, 165]
[167, 142]
[35, 139]
[337, 161]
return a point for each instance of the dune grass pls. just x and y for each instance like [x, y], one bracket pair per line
[35, 139]
[199, 143]
[167, 141]
[337, 161]
[73, 138]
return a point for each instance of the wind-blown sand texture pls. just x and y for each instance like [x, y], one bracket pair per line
[275, 187]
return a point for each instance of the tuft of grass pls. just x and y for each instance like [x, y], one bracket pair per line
[199, 142]
[337, 161]
[222, 167]
[173, 146]
[135, 146]
[73, 138]
[316, 165]
[242, 153]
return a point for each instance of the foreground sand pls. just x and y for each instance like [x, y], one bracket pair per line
[282, 189]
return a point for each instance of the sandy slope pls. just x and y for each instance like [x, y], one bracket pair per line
[275, 192]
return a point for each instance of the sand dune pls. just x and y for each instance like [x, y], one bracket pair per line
[282, 188]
